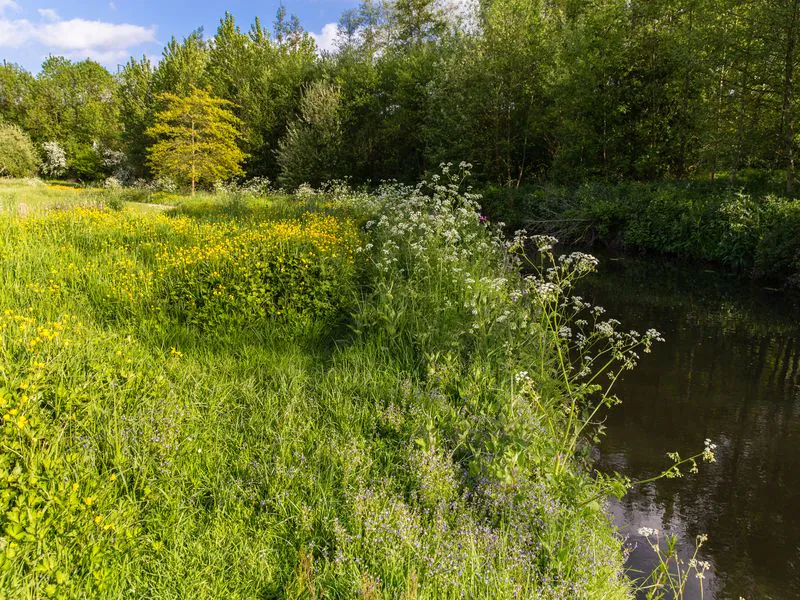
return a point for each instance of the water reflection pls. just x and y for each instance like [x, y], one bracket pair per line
[729, 371]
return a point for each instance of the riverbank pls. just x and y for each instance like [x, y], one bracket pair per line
[313, 396]
[746, 228]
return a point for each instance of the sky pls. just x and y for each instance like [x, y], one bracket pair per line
[110, 31]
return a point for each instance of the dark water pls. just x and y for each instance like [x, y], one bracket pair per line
[730, 371]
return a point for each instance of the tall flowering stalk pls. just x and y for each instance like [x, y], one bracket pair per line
[519, 369]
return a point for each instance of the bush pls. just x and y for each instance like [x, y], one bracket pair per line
[778, 251]
[699, 220]
[54, 159]
[87, 164]
[17, 154]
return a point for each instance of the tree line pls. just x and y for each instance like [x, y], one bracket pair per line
[525, 90]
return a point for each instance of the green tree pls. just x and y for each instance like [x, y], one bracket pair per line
[264, 75]
[309, 151]
[76, 104]
[417, 21]
[489, 94]
[16, 91]
[196, 139]
[183, 65]
[17, 154]
[137, 98]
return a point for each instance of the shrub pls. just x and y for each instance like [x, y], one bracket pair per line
[54, 159]
[113, 199]
[17, 154]
[778, 251]
[87, 164]
[698, 220]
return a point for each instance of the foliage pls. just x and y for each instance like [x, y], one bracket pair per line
[778, 250]
[137, 104]
[178, 368]
[752, 232]
[87, 164]
[54, 160]
[75, 103]
[17, 155]
[295, 270]
[196, 139]
[16, 89]
[527, 90]
[309, 150]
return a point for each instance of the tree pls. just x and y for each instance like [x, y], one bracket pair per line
[17, 154]
[265, 77]
[309, 151]
[418, 21]
[54, 159]
[197, 139]
[16, 89]
[182, 65]
[136, 95]
[75, 103]
[487, 98]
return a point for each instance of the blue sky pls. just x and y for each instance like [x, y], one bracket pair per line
[110, 31]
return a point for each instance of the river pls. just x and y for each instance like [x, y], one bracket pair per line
[729, 371]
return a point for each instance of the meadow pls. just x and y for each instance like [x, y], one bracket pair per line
[327, 395]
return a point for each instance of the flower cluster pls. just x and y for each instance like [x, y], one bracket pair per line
[205, 272]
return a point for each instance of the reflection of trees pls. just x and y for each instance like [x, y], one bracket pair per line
[729, 371]
[724, 301]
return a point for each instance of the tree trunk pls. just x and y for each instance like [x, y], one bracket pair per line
[788, 96]
[194, 161]
[740, 132]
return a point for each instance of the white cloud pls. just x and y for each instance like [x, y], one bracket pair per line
[326, 39]
[48, 13]
[14, 33]
[9, 5]
[78, 38]
[112, 6]
[79, 34]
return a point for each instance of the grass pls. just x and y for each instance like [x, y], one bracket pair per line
[274, 397]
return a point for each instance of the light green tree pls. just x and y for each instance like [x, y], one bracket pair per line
[17, 154]
[196, 139]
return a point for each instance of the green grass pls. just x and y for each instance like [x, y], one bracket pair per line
[327, 426]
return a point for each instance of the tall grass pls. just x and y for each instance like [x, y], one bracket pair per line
[375, 403]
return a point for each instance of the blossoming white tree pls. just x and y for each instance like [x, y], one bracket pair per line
[54, 159]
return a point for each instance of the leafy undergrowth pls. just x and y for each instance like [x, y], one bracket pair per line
[185, 414]
[750, 231]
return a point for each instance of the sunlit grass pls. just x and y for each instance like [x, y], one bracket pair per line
[225, 400]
